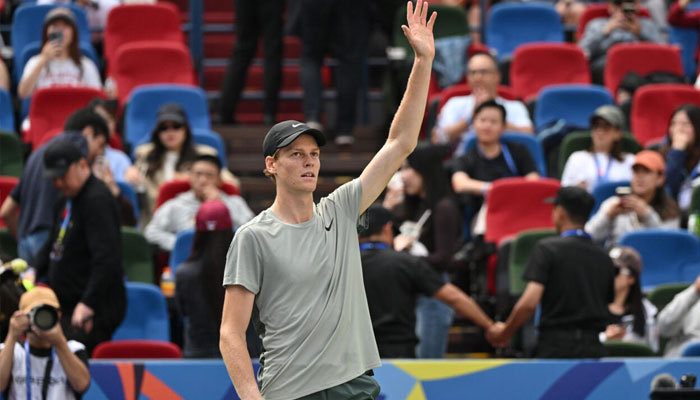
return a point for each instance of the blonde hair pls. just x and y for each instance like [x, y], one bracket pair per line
[267, 173]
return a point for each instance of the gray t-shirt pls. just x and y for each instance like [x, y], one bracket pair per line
[310, 304]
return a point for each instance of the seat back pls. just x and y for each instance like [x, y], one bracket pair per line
[170, 189]
[581, 140]
[130, 194]
[519, 255]
[140, 114]
[653, 106]
[137, 258]
[11, 163]
[617, 348]
[533, 146]
[642, 58]
[537, 65]
[669, 256]
[600, 10]
[50, 107]
[452, 21]
[663, 294]
[511, 24]
[506, 218]
[602, 191]
[150, 349]
[146, 314]
[573, 103]
[149, 62]
[691, 350]
[212, 139]
[7, 112]
[182, 249]
[130, 23]
[7, 183]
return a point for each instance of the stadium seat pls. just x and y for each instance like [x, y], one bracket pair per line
[146, 314]
[181, 249]
[7, 112]
[602, 191]
[617, 348]
[691, 350]
[576, 141]
[130, 23]
[168, 190]
[11, 163]
[642, 58]
[50, 107]
[7, 183]
[8, 244]
[149, 62]
[573, 103]
[212, 139]
[506, 218]
[140, 115]
[452, 21]
[511, 24]
[668, 256]
[151, 349]
[519, 254]
[526, 140]
[600, 10]
[26, 33]
[662, 294]
[687, 39]
[653, 106]
[537, 65]
[130, 194]
[137, 258]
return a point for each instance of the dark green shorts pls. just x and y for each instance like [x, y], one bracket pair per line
[364, 387]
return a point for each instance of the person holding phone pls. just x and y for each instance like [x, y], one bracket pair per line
[644, 205]
[60, 61]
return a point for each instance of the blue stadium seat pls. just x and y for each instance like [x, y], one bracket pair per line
[7, 112]
[512, 24]
[26, 33]
[144, 102]
[146, 314]
[604, 190]
[668, 256]
[212, 139]
[572, 103]
[182, 249]
[524, 139]
[691, 350]
[130, 194]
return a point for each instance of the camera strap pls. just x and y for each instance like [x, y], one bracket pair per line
[47, 372]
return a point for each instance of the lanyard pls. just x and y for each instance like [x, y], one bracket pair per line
[602, 177]
[49, 364]
[575, 232]
[506, 156]
[64, 223]
[373, 245]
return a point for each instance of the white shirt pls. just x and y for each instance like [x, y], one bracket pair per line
[64, 72]
[582, 167]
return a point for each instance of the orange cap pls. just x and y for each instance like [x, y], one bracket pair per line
[651, 160]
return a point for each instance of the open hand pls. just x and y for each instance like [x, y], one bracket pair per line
[419, 32]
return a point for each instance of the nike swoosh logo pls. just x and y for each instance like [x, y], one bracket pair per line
[328, 228]
[295, 125]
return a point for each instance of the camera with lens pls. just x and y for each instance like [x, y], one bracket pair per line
[43, 317]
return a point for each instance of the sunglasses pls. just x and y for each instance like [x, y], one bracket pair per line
[173, 126]
[624, 271]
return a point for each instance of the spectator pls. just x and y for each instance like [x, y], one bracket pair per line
[60, 61]
[169, 155]
[572, 280]
[623, 26]
[682, 151]
[604, 161]
[457, 115]
[634, 313]
[489, 160]
[118, 161]
[96, 10]
[647, 206]
[254, 19]
[680, 17]
[428, 201]
[82, 259]
[393, 280]
[67, 378]
[679, 321]
[178, 214]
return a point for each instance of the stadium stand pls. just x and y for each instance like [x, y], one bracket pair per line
[511, 24]
[573, 103]
[653, 106]
[146, 314]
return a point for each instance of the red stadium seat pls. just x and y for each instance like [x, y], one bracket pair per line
[137, 349]
[7, 183]
[149, 62]
[600, 10]
[537, 65]
[642, 58]
[136, 22]
[653, 106]
[168, 190]
[50, 107]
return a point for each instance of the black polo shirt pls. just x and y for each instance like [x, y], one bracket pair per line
[481, 168]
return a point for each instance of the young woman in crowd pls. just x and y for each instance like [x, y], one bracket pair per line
[682, 151]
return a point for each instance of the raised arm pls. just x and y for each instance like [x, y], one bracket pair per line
[403, 134]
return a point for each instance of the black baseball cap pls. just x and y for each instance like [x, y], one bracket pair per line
[377, 217]
[575, 200]
[284, 133]
[171, 112]
[58, 157]
[61, 13]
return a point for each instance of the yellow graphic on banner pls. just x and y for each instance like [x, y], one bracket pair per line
[442, 369]
[416, 393]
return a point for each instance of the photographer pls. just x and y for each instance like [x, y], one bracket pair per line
[38, 317]
[623, 26]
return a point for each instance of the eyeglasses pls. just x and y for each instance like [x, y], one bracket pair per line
[623, 271]
[474, 72]
[173, 126]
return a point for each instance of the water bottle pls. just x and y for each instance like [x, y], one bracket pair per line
[167, 282]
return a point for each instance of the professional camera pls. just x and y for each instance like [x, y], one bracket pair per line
[43, 316]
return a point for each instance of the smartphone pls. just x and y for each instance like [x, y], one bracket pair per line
[56, 35]
[623, 191]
